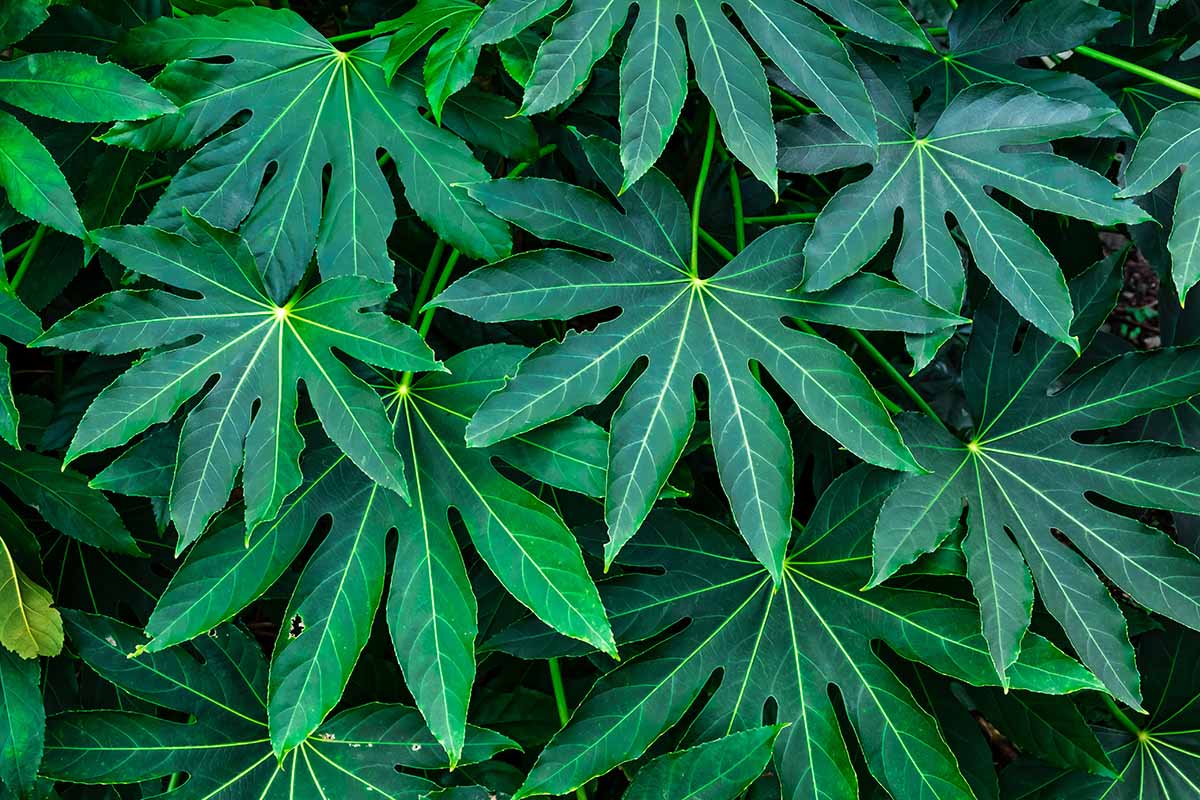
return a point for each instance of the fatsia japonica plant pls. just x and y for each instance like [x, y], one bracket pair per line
[721, 400]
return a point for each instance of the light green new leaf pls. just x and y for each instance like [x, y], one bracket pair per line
[783, 647]
[259, 350]
[1159, 759]
[727, 69]
[225, 751]
[1023, 477]
[986, 137]
[30, 626]
[451, 60]
[1172, 140]
[67, 86]
[431, 608]
[311, 106]
[687, 327]
[717, 770]
[22, 721]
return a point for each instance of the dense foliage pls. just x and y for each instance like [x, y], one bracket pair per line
[734, 399]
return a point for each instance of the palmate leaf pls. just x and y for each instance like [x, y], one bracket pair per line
[990, 135]
[225, 752]
[1161, 761]
[74, 88]
[1025, 481]
[686, 326]
[259, 350]
[988, 40]
[727, 69]
[716, 770]
[311, 106]
[431, 608]
[785, 647]
[1171, 141]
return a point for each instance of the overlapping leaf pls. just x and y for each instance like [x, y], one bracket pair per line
[226, 752]
[992, 40]
[259, 350]
[450, 62]
[727, 69]
[1025, 480]
[785, 647]
[431, 607]
[311, 106]
[1171, 141]
[1159, 759]
[990, 135]
[685, 326]
[70, 87]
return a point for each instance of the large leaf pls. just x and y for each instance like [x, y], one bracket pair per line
[993, 40]
[1157, 757]
[990, 135]
[686, 326]
[22, 721]
[728, 72]
[225, 750]
[431, 607]
[259, 349]
[1025, 477]
[65, 86]
[717, 770]
[785, 648]
[30, 626]
[311, 106]
[1171, 141]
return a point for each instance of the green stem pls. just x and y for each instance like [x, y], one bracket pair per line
[739, 221]
[791, 101]
[766, 219]
[443, 279]
[705, 163]
[863, 342]
[1121, 716]
[150, 184]
[560, 702]
[1140, 71]
[895, 375]
[422, 295]
[27, 259]
[382, 27]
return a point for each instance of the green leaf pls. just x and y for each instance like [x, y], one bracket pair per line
[718, 770]
[1023, 476]
[311, 106]
[784, 648]
[19, 17]
[32, 182]
[76, 88]
[431, 607]
[1161, 760]
[1171, 141]
[451, 60]
[986, 137]
[260, 350]
[30, 626]
[654, 70]
[22, 721]
[225, 750]
[993, 40]
[686, 327]
[1049, 728]
[21, 325]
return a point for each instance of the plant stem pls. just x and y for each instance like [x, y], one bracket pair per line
[862, 341]
[560, 702]
[739, 221]
[150, 184]
[383, 27]
[27, 259]
[791, 101]
[799, 216]
[895, 375]
[1121, 716]
[422, 295]
[705, 163]
[443, 279]
[1140, 71]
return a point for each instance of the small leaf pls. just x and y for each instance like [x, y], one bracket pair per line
[30, 626]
